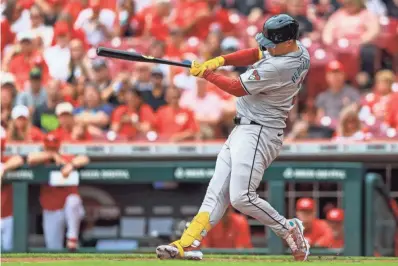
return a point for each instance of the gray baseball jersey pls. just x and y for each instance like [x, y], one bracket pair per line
[272, 84]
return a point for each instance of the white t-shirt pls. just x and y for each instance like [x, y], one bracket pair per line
[57, 59]
[209, 106]
[93, 34]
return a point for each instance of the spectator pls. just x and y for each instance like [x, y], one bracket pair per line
[175, 43]
[392, 111]
[115, 93]
[125, 13]
[61, 204]
[93, 114]
[44, 116]
[58, 56]
[22, 62]
[206, 106]
[36, 94]
[362, 29]
[21, 128]
[134, 119]
[173, 122]
[350, 127]
[308, 128]
[184, 80]
[38, 28]
[7, 36]
[297, 9]
[17, 14]
[156, 97]
[317, 231]
[68, 129]
[153, 20]
[96, 22]
[143, 78]
[335, 218]
[102, 76]
[233, 231]
[158, 50]
[74, 33]
[79, 64]
[375, 103]
[248, 8]
[339, 94]
[8, 92]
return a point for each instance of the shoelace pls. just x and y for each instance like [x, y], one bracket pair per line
[298, 239]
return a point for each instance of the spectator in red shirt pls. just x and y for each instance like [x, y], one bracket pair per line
[199, 18]
[359, 27]
[74, 33]
[21, 64]
[317, 231]
[7, 221]
[233, 231]
[68, 129]
[7, 36]
[153, 20]
[20, 127]
[174, 44]
[335, 218]
[61, 204]
[392, 111]
[134, 119]
[174, 123]
[375, 104]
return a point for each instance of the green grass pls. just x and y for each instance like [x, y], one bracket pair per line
[47, 259]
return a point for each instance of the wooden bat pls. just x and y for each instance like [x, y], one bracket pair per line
[131, 56]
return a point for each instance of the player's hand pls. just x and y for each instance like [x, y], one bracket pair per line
[58, 159]
[67, 169]
[197, 69]
[214, 63]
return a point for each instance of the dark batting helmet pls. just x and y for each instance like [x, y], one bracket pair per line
[277, 29]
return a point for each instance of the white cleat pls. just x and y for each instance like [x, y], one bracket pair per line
[296, 240]
[167, 252]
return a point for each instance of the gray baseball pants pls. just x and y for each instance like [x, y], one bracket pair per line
[240, 166]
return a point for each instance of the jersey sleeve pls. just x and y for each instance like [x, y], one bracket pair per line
[260, 79]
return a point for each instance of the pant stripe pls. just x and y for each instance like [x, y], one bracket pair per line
[250, 178]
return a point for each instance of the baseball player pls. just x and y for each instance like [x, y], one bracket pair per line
[7, 221]
[266, 93]
[60, 204]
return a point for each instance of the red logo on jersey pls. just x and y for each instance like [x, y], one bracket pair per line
[254, 75]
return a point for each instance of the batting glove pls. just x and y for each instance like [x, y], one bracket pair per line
[197, 69]
[214, 63]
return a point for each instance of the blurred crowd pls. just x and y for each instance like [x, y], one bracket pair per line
[53, 81]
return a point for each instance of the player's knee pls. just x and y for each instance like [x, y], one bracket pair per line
[239, 201]
[73, 201]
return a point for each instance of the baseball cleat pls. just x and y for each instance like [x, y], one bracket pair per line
[167, 252]
[296, 240]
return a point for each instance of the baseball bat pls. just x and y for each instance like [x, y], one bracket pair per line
[131, 56]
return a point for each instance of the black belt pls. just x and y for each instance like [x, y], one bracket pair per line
[238, 120]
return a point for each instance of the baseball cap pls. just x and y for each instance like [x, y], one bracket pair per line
[19, 111]
[99, 63]
[52, 141]
[35, 73]
[25, 35]
[230, 43]
[335, 65]
[7, 78]
[335, 215]
[64, 108]
[157, 72]
[305, 204]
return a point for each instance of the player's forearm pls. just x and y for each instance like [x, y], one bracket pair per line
[229, 85]
[13, 163]
[80, 161]
[39, 157]
[242, 57]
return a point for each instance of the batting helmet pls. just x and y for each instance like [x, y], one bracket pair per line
[52, 141]
[277, 29]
